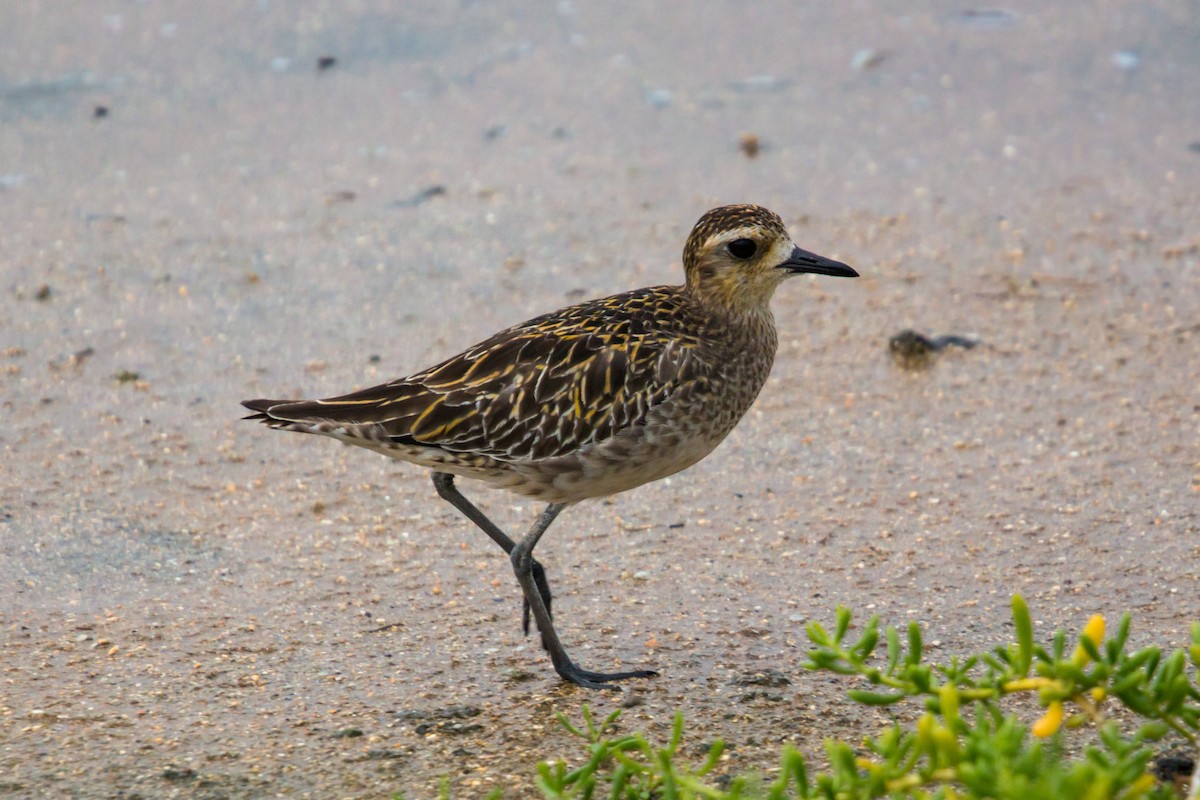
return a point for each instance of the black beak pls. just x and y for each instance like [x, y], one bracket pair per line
[804, 261]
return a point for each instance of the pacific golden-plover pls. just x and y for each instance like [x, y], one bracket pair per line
[589, 400]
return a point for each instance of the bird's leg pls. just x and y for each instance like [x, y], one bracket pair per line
[523, 561]
[444, 483]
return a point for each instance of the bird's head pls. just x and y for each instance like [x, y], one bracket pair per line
[737, 255]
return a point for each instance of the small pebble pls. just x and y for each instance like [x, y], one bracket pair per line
[1126, 60]
[761, 83]
[659, 98]
[985, 18]
[178, 773]
[749, 144]
[426, 194]
[867, 59]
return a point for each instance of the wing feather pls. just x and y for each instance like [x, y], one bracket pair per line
[538, 390]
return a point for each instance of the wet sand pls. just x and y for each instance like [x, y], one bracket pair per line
[194, 211]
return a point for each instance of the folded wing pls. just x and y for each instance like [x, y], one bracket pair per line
[538, 390]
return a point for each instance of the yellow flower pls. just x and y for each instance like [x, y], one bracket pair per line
[1094, 633]
[1050, 721]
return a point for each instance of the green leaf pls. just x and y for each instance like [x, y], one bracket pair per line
[793, 769]
[550, 781]
[1024, 626]
[1152, 731]
[1153, 656]
[843, 624]
[1090, 648]
[914, 644]
[874, 698]
[865, 646]
[566, 723]
[1116, 645]
[817, 634]
[620, 780]
[676, 734]
[1059, 647]
[921, 677]
[841, 758]
[714, 755]
[893, 649]
[995, 664]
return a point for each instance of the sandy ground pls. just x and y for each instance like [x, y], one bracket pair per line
[192, 212]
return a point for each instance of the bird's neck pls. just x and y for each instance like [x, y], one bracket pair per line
[741, 343]
[735, 312]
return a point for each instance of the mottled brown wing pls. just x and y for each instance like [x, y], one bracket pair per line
[537, 390]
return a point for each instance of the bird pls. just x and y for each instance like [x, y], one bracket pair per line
[587, 401]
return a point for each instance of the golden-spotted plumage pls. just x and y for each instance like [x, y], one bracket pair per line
[592, 399]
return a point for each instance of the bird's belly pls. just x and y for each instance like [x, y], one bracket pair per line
[600, 475]
[624, 462]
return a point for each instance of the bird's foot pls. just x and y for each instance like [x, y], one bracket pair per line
[598, 680]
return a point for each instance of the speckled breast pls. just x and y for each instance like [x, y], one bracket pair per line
[676, 434]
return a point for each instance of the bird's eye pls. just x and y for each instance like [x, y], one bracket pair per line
[743, 248]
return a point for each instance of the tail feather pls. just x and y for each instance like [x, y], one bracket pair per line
[297, 415]
[261, 407]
